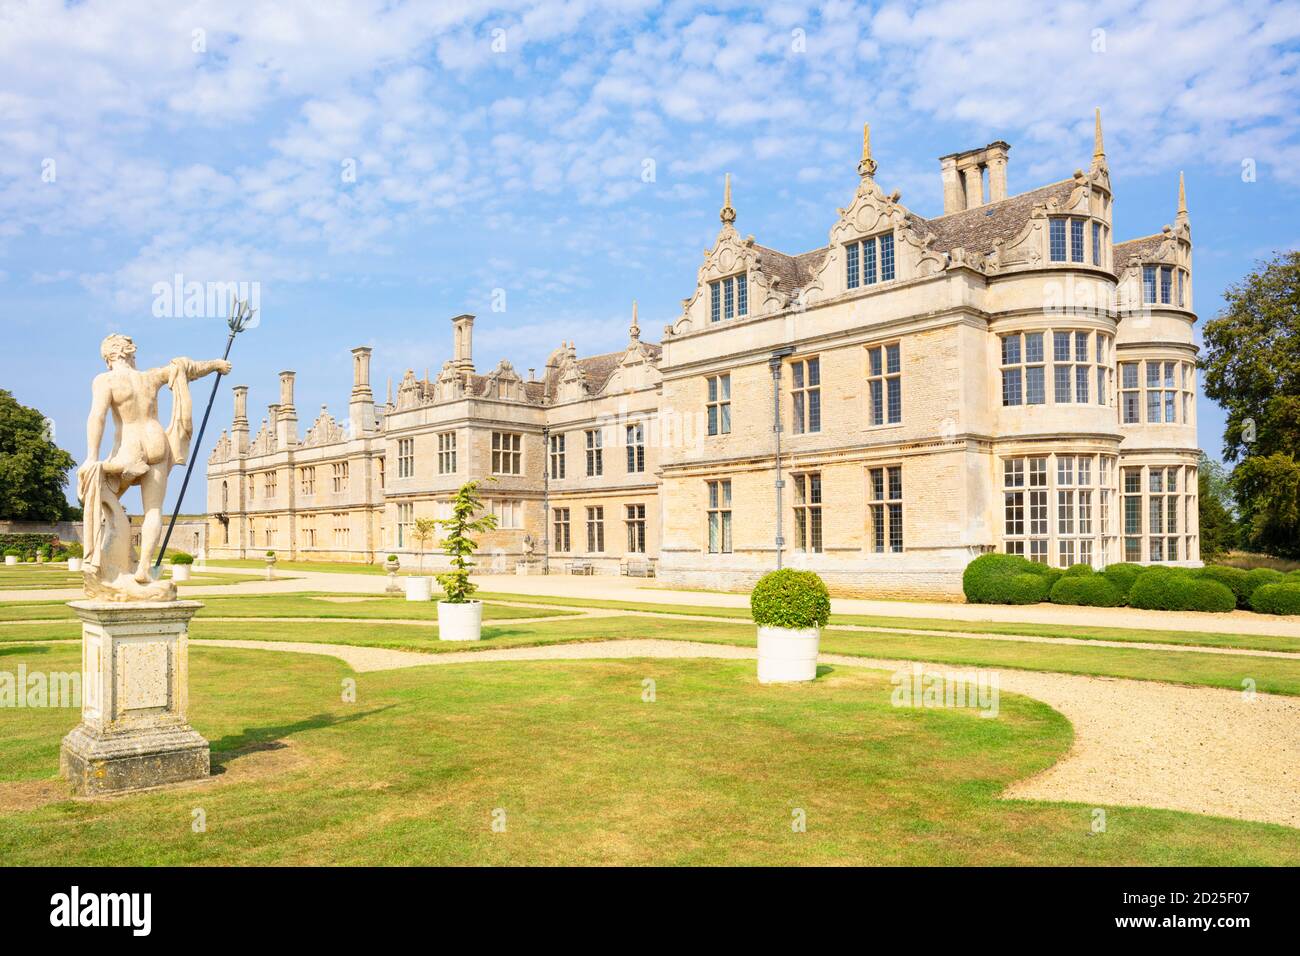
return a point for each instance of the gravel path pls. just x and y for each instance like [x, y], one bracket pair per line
[1136, 743]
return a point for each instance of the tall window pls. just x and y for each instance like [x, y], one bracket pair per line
[405, 457]
[806, 395]
[1098, 241]
[446, 453]
[308, 482]
[635, 522]
[1149, 284]
[341, 530]
[271, 481]
[1023, 369]
[1024, 495]
[1056, 239]
[728, 298]
[1166, 285]
[719, 404]
[1132, 514]
[405, 518]
[886, 503]
[636, 447]
[595, 529]
[885, 384]
[1169, 392]
[507, 454]
[340, 476]
[225, 498]
[1071, 367]
[557, 456]
[595, 453]
[252, 487]
[720, 516]
[380, 462]
[562, 540]
[808, 512]
[509, 512]
[862, 258]
[1076, 240]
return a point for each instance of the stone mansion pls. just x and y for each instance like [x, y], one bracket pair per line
[882, 409]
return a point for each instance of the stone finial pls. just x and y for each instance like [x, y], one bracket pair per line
[1182, 196]
[1098, 150]
[634, 330]
[727, 214]
[867, 165]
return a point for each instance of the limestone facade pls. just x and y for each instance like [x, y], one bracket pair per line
[1002, 377]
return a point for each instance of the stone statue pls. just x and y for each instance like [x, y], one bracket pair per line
[143, 454]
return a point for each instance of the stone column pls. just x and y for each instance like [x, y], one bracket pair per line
[973, 176]
[134, 732]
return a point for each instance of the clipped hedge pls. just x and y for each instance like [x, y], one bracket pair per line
[181, 557]
[27, 543]
[1087, 590]
[1166, 589]
[1078, 570]
[789, 598]
[1258, 577]
[1007, 579]
[1233, 578]
[1282, 598]
[1123, 575]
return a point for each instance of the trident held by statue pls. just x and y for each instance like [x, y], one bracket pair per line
[240, 315]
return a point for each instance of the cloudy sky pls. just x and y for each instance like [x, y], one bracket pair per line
[378, 167]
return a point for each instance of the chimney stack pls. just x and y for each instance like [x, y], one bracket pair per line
[239, 425]
[286, 429]
[462, 332]
[361, 407]
[963, 177]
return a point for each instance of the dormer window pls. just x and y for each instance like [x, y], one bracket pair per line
[728, 298]
[1056, 239]
[869, 261]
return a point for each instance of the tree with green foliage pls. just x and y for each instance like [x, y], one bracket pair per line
[1252, 369]
[422, 532]
[1218, 529]
[458, 545]
[33, 470]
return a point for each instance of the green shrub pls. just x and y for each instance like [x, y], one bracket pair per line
[1172, 589]
[1078, 571]
[75, 550]
[182, 557]
[789, 598]
[1088, 590]
[1281, 598]
[26, 542]
[13, 553]
[1258, 577]
[987, 580]
[1122, 575]
[1233, 578]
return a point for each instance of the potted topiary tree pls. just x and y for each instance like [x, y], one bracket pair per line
[459, 617]
[790, 608]
[75, 554]
[181, 562]
[419, 587]
[12, 555]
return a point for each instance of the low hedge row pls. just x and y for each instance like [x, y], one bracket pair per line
[1012, 579]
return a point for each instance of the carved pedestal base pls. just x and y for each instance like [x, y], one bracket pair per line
[135, 682]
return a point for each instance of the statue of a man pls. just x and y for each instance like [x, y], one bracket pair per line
[143, 454]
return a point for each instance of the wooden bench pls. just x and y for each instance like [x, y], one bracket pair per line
[638, 568]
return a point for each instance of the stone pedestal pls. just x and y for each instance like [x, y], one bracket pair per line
[134, 693]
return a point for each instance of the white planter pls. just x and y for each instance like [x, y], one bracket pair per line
[74, 564]
[180, 572]
[419, 589]
[11, 559]
[786, 654]
[460, 622]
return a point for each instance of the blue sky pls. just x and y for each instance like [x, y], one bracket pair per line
[505, 147]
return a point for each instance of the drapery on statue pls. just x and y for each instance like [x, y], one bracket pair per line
[143, 454]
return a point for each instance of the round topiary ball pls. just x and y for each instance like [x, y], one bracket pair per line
[790, 599]
[1090, 590]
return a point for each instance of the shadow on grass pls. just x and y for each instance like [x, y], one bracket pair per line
[23, 649]
[256, 739]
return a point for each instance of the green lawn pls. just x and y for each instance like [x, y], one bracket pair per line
[339, 567]
[1080, 632]
[585, 772]
[44, 577]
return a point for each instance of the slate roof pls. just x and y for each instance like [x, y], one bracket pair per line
[1144, 248]
[975, 230]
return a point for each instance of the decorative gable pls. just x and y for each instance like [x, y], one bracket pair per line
[221, 451]
[505, 384]
[450, 385]
[325, 430]
[409, 393]
[264, 443]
